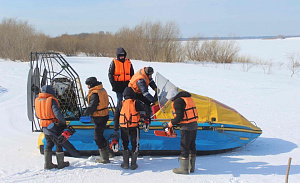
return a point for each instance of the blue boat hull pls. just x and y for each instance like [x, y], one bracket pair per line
[211, 138]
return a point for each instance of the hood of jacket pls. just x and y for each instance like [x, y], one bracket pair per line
[182, 94]
[121, 51]
[129, 93]
[48, 89]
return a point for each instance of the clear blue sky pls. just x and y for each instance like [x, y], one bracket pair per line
[194, 17]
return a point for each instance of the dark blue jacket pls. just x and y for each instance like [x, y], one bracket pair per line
[56, 110]
[144, 89]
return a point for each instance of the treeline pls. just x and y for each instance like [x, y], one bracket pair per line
[147, 41]
[18, 39]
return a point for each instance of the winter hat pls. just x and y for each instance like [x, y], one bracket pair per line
[91, 81]
[129, 93]
[171, 94]
[121, 51]
[149, 70]
[48, 89]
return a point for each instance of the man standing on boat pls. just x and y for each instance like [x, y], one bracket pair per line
[185, 116]
[98, 110]
[120, 72]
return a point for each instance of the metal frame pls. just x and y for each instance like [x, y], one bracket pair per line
[51, 66]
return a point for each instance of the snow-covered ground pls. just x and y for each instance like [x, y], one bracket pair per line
[271, 100]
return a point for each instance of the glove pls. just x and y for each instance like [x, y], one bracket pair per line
[170, 124]
[116, 134]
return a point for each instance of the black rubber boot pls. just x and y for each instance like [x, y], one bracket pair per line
[48, 160]
[133, 160]
[184, 166]
[60, 160]
[104, 156]
[111, 153]
[125, 163]
[192, 163]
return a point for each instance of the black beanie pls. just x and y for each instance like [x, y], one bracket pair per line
[91, 81]
[129, 93]
[149, 70]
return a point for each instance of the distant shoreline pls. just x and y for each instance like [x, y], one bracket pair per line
[244, 37]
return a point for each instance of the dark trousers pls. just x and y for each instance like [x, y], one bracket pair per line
[100, 125]
[119, 97]
[188, 142]
[50, 144]
[134, 134]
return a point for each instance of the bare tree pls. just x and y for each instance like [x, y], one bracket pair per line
[266, 66]
[212, 50]
[152, 42]
[192, 49]
[18, 39]
[246, 61]
[294, 63]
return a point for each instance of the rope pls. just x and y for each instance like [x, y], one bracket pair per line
[230, 136]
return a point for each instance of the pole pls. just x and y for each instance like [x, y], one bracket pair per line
[288, 170]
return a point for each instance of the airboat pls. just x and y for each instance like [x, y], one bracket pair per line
[220, 127]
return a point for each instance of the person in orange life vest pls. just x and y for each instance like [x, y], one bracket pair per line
[186, 117]
[48, 111]
[127, 115]
[98, 110]
[120, 72]
[140, 82]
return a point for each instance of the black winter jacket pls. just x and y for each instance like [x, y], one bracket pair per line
[118, 86]
[179, 106]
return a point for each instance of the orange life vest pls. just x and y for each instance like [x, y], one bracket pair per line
[102, 108]
[137, 76]
[43, 109]
[122, 70]
[190, 111]
[129, 117]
